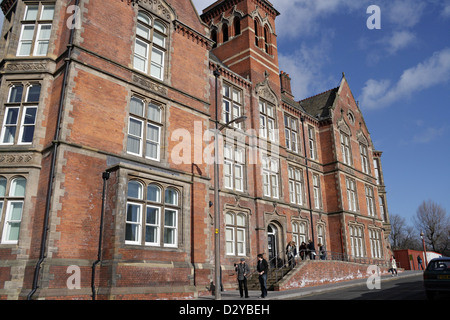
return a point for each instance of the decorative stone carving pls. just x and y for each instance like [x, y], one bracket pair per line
[343, 126]
[26, 66]
[264, 91]
[15, 158]
[149, 85]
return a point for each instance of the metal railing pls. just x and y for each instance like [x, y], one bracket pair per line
[281, 265]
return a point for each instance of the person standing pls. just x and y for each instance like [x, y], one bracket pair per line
[303, 250]
[291, 252]
[419, 262]
[311, 250]
[393, 266]
[243, 271]
[262, 268]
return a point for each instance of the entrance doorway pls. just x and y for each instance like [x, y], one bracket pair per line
[273, 245]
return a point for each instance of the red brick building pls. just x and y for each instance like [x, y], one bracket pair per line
[106, 178]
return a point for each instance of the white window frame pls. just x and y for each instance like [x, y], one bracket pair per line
[296, 187]
[232, 100]
[37, 24]
[352, 197]
[233, 228]
[357, 241]
[270, 174]
[156, 225]
[20, 124]
[38, 41]
[267, 121]
[291, 133]
[316, 191]
[312, 142]
[370, 201]
[232, 165]
[364, 158]
[146, 123]
[346, 149]
[171, 227]
[138, 223]
[162, 205]
[375, 243]
[155, 29]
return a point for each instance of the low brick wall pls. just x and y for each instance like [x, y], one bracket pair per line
[317, 272]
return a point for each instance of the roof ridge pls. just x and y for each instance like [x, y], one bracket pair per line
[318, 94]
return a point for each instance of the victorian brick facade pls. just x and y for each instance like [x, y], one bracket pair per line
[105, 154]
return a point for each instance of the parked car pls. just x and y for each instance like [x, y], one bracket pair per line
[436, 277]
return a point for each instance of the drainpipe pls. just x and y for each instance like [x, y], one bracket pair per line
[302, 119]
[52, 168]
[105, 177]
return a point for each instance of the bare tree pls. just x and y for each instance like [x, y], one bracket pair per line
[402, 236]
[432, 219]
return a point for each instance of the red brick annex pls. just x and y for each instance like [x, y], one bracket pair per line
[106, 178]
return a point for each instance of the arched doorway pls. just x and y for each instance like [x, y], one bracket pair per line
[273, 244]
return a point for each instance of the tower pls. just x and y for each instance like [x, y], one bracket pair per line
[245, 37]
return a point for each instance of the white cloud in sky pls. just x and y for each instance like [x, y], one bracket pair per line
[405, 13]
[399, 40]
[305, 66]
[431, 72]
[302, 17]
[429, 134]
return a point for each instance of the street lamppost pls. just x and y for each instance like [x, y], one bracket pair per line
[302, 119]
[424, 249]
[240, 119]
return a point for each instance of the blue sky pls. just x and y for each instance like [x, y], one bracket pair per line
[400, 74]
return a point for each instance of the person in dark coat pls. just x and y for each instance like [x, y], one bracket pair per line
[262, 267]
[303, 250]
[311, 250]
[242, 270]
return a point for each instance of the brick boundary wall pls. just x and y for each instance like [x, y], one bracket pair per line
[313, 273]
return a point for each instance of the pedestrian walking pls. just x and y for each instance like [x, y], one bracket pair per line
[303, 250]
[262, 268]
[393, 266]
[311, 250]
[419, 262]
[242, 271]
[291, 252]
[322, 252]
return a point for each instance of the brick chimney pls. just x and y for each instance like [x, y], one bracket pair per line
[285, 82]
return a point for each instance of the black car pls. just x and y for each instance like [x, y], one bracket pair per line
[436, 277]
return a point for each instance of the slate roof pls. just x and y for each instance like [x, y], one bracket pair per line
[320, 104]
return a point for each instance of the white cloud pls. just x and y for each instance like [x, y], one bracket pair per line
[399, 40]
[300, 17]
[405, 13]
[429, 134]
[433, 71]
[305, 65]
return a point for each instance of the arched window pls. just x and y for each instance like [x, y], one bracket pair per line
[256, 33]
[214, 37]
[237, 26]
[11, 207]
[150, 46]
[267, 39]
[144, 129]
[149, 220]
[225, 32]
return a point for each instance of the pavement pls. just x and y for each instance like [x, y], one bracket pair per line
[299, 292]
